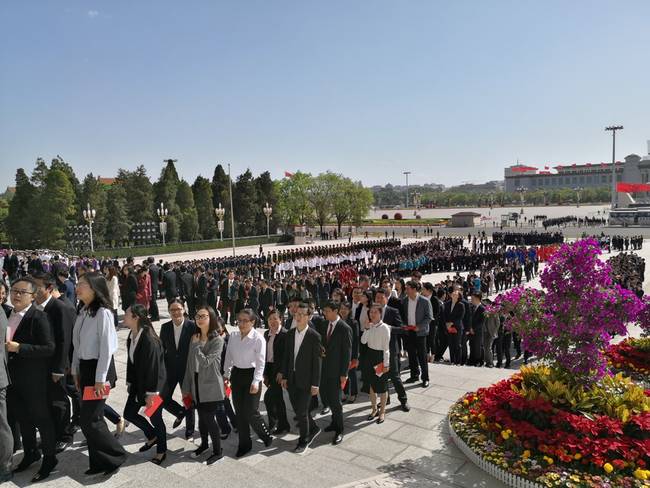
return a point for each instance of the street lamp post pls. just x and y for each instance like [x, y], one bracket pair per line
[578, 190]
[613, 129]
[232, 213]
[407, 173]
[89, 215]
[267, 211]
[162, 214]
[219, 212]
[522, 190]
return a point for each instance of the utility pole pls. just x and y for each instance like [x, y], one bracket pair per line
[232, 213]
[613, 129]
[407, 173]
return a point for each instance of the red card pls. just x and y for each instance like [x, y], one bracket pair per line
[157, 402]
[379, 369]
[343, 383]
[410, 327]
[452, 330]
[228, 391]
[353, 364]
[187, 401]
[89, 393]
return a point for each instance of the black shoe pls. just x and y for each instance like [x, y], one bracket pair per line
[411, 380]
[111, 471]
[159, 461]
[200, 450]
[178, 421]
[148, 445]
[48, 465]
[301, 447]
[498, 365]
[425, 384]
[405, 407]
[62, 446]
[507, 365]
[93, 471]
[214, 458]
[280, 430]
[27, 461]
[325, 411]
[242, 451]
[338, 438]
[8, 476]
[312, 436]
[329, 428]
[268, 441]
[388, 401]
[189, 434]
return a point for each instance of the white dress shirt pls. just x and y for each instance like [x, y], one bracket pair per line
[377, 337]
[94, 338]
[134, 344]
[41, 306]
[300, 336]
[412, 306]
[246, 353]
[177, 332]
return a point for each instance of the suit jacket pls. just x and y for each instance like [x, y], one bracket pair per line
[456, 315]
[338, 349]
[29, 368]
[267, 298]
[423, 314]
[61, 315]
[154, 274]
[356, 336]
[253, 299]
[4, 374]
[393, 319]
[146, 373]
[187, 286]
[478, 319]
[307, 362]
[201, 290]
[279, 345]
[10, 265]
[176, 358]
[284, 298]
[169, 284]
[210, 381]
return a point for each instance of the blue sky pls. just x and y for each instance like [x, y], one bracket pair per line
[451, 91]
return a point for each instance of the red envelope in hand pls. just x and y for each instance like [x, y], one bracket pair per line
[353, 364]
[187, 401]
[228, 391]
[157, 402]
[452, 330]
[343, 383]
[379, 369]
[89, 393]
[413, 328]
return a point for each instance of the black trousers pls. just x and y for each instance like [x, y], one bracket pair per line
[208, 425]
[330, 391]
[175, 408]
[395, 378]
[417, 352]
[104, 451]
[247, 407]
[442, 341]
[153, 428]
[476, 347]
[275, 407]
[59, 409]
[300, 400]
[455, 346]
[31, 409]
[153, 306]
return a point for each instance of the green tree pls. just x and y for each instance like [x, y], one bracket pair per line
[4, 211]
[360, 202]
[341, 203]
[118, 224]
[93, 193]
[294, 207]
[320, 194]
[57, 208]
[165, 190]
[202, 191]
[189, 228]
[39, 175]
[220, 190]
[139, 194]
[245, 204]
[265, 190]
[21, 217]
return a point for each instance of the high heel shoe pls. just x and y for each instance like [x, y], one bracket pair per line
[119, 427]
[159, 461]
[373, 414]
[148, 445]
[381, 418]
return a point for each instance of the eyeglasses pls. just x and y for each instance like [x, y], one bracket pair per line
[20, 293]
[176, 309]
[202, 316]
[244, 321]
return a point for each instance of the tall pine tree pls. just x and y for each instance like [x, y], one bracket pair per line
[165, 190]
[20, 222]
[202, 192]
[245, 204]
[139, 194]
[117, 220]
[189, 229]
[57, 209]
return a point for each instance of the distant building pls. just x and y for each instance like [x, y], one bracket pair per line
[464, 219]
[634, 169]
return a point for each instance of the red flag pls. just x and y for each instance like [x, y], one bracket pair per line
[631, 187]
[287, 174]
[522, 169]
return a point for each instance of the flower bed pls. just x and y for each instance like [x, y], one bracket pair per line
[539, 426]
[632, 358]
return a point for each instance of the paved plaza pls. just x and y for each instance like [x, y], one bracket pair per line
[408, 450]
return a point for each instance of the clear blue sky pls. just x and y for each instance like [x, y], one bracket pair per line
[451, 90]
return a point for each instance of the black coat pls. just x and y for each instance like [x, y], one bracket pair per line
[154, 274]
[279, 344]
[356, 336]
[10, 265]
[29, 368]
[187, 286]
[267, 298]
[393, 319]
[455, 316]
[61, 315]
[146, 374]
[176, 358]
[338, 350]
[169, 284]
[308, 361]
[478, 319]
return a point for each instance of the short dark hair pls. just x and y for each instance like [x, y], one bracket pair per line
[46, 278]
[413, 284]
[478, 295]
[26, 279]
[332, 305]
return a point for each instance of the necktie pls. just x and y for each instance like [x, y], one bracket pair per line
[329, 331]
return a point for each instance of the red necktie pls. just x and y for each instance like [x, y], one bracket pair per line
[329, 331]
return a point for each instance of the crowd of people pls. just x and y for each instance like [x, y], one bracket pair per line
[628, 270]
[532, 238]
[625, 243]
[574, 221]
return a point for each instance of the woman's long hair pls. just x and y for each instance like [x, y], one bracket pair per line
[98, 285]
[144, 322]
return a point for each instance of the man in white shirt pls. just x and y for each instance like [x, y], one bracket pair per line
[418, 314]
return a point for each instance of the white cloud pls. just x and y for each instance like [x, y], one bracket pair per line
[93, 13]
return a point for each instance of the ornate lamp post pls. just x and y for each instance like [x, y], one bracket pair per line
[578, 191]
[522, 190]
[89, 216]
[162, 214]
[219, 212]
[268, 210]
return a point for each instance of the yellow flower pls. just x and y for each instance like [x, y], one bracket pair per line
[577, 456]
[608, 468]
[641, 474]
[526, 454]
[549, 460]
[505, 434]
[465, 402]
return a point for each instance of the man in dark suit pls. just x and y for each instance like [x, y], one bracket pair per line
[477, 324]
[275, 337]
[30, 346]
[176, 336]
[417, 312]
[6, 437]
[229, 292]
[454, 312]
[61, 316]
[187, 287]
[336, 338]
[267, 299]
[467, 319]
[154, 274]
[392, 318]
[200, 287]
[10, 265]
[301, 373]
[170, 288]
[281, 298]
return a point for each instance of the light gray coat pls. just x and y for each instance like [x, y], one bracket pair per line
[210, 383]
[6, 437]
[4, 374]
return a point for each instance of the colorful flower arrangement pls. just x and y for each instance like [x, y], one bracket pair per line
[545, 439]
[631, 357]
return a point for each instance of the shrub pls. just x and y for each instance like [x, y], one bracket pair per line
[384, 217]
[398, 216]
